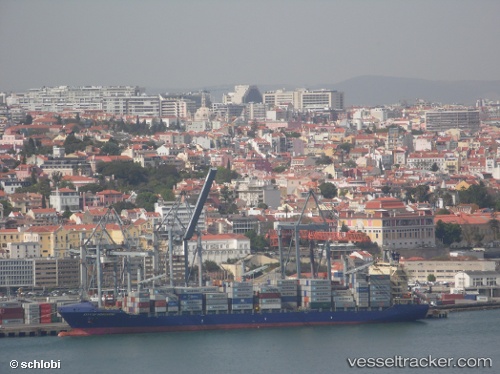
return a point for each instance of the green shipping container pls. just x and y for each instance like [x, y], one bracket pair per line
[320, 305]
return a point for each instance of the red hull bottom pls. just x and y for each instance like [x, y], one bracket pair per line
[138, 330]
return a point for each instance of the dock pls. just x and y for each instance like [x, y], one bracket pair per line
[49, 329]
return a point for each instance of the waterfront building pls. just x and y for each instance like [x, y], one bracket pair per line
[389, 223]
[445, 270]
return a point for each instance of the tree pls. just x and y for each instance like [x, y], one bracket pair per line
[67, 213]
[448, 233]
[344, 228]
[386, 189]
[211, 266]
[494, 227]
[346, 147]
[56, 178]
[111, 147]
[328, 190]
[146, 200]
[7, 207]
[126, 172]
[421, 193]
[257, 242]
[434, 167]
[29, 119]
[431, 278]
[123, 205]
[476, 194]
[443, 211]
[324, 160]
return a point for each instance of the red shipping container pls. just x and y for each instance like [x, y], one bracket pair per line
[160, 303]
[269, 295]
[452, 296]
[448, 302]
[10, 311]
[144, 304]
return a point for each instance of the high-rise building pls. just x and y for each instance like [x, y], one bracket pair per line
[243, 94]
[305, 100]
[442, 120]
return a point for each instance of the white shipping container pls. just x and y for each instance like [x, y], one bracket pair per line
[269, 301]
[216, 307]
[343, 299]
[242, 307]
[270, 306]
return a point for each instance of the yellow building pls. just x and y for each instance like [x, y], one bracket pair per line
[9, 236]
[51, 239]
[389, 224]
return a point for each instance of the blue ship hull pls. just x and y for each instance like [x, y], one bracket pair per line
[86, 319]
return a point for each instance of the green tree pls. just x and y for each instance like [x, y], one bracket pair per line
[7, 207]
[386, 189]
[346, 147]
[494, 226]
[280, 169]
[146, 200]
[421, 193]
[324, 160]
[448, 233]
[67, 213]
[56, 178]
[210, 266]
[434, 167]
[258, 243]
[328, 190]
[126, 173]
[123, 205]
[111, 147]
[344, 228]
[443, 211]
[431, 278]
[477, 194]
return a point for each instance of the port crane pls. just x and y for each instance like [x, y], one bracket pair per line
[294, 232]
[100, 247]
[175, 231]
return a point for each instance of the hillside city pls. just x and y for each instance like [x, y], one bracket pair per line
[421, 179]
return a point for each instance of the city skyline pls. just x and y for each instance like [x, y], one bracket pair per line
[195, 44]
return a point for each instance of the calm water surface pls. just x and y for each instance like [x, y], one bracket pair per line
[294, 350]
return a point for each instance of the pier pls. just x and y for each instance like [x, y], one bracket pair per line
[49, 329]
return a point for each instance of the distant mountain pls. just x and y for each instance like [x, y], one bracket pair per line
[372, 90]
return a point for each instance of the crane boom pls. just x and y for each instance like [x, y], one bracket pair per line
[199, 204]
[194, 221]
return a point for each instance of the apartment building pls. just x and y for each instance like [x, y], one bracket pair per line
[305, 100]
[391, 225]
[442, 120]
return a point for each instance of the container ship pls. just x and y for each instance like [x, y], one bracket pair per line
[237, 305]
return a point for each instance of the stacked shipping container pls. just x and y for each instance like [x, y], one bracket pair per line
[288, 289]
[11, 313]
[316, 293]
[240, 295]
[380, 290]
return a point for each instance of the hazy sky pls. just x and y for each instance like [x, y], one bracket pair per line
[200, 43]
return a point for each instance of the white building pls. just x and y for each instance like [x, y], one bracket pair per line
[220, 248]
[444, 271]
[60, 198]
[23, 250]
[305, 100]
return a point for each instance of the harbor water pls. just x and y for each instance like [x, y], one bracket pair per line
[469, 335]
